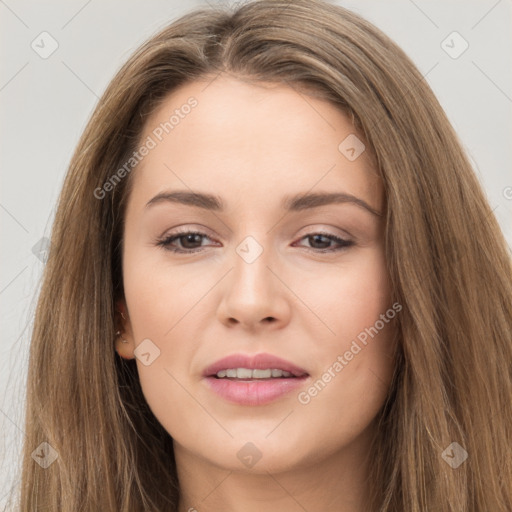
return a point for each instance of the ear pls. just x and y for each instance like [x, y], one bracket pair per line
[125, 343]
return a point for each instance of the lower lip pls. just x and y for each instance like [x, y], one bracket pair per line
[254, 392]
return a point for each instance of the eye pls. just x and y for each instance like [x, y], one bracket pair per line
[190, 239]
[190, 242]
[315, 238]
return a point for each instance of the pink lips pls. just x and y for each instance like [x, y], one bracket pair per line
[254, 391]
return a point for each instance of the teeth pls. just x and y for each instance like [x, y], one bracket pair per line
[261, 374]
[243, 373]
[246, 373]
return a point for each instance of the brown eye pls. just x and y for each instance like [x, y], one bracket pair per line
[315, 240]
[190, 241]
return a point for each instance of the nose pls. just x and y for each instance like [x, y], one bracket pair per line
[253, 294]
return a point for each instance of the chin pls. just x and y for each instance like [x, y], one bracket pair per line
[258, 456]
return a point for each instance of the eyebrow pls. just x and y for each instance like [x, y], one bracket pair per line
[292, 203]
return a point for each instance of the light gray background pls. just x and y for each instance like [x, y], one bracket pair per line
[45, 104]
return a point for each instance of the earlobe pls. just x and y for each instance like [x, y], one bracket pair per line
[122, 346]
[123, 356]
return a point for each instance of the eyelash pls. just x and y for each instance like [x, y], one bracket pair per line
[166, 242]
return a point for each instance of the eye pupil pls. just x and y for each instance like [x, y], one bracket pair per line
[317, 237]
[190, 238]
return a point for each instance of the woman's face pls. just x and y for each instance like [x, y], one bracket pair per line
[265, 275]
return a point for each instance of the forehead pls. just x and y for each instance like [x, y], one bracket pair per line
[233, 137]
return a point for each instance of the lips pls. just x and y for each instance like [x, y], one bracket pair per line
[256, 362]
[254, 391]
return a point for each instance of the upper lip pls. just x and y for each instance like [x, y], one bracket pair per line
[255, 362]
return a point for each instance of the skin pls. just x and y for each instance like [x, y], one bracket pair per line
[251, 145]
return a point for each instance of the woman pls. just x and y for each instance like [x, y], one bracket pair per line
[343, 339]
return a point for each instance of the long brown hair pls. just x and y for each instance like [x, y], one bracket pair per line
[449, 264]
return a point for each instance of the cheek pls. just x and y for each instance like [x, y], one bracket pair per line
[354, 364]
[158, 294]
[163, 304]
[350, 297]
